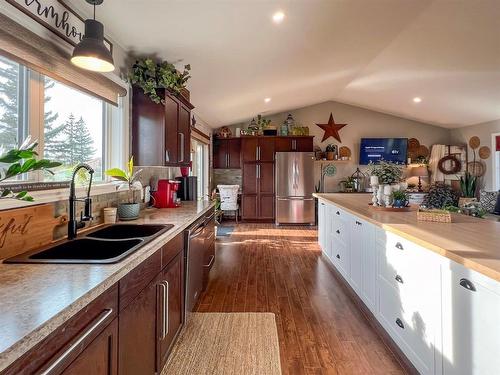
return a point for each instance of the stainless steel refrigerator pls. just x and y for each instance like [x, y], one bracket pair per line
[294, 188]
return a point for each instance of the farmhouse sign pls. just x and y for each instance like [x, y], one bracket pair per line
[57, 17]
[27, 228]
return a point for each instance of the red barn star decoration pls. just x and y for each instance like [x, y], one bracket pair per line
[331, 129]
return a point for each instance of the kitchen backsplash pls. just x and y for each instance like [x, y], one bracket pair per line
[226, 177]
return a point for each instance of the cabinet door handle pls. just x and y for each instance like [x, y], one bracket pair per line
[399, 322]
[358, 223]
[212, 258]
[338, 213]
[399, 246]
[322, 204]
[167, 157]
[467, 284]
[98, 322]
[399, 279]
[164, 326]
[338, 256]
[338, 231]
[227, 160]
[181, 158]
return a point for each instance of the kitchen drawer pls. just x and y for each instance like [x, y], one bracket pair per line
[405, 264]
[340, 258]
[411, 326]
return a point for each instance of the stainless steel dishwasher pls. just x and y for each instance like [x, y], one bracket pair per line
[199, 249]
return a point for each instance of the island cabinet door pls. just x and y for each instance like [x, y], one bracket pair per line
[170, 311]
[322, 225]
[471, 322]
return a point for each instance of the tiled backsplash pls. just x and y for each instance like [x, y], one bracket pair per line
[226, 177]
[98, 203]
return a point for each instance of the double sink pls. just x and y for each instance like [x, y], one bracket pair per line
[102, 246]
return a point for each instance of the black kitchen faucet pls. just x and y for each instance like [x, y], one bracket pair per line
[73, 224]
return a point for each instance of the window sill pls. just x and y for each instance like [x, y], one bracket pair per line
[55, 195]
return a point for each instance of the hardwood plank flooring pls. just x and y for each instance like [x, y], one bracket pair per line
[264, 268]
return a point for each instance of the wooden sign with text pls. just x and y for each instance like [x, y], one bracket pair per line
[27, 228]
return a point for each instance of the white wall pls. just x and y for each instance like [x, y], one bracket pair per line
[361, 123]
[484, 131]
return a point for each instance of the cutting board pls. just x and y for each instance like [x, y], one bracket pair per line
[27, 228]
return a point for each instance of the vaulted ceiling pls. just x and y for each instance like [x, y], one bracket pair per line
[377, 54]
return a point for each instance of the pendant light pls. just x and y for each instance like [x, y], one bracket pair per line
[91, 53]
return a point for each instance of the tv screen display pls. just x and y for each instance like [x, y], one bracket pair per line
[388, 149]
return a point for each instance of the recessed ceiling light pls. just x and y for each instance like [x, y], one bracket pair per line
[267, 100]
[417, 99]
[278, 17]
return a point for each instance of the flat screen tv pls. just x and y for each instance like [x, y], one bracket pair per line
[388, 149]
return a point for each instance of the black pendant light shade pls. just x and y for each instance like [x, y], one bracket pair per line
[91, 53]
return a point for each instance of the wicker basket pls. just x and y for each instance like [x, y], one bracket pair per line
[436, 216]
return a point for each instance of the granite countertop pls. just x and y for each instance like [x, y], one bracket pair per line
[35, 299]
[470, 241]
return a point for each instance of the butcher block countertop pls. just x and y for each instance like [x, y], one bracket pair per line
[472, 242]
[35, 299]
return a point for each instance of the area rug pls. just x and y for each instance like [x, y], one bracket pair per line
[226, 343]
[224, 231]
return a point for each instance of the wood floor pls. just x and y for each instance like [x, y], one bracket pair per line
[321, 331]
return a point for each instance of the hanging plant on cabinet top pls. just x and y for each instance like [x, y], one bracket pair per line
[151, 76]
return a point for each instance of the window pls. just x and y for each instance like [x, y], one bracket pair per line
[13, 108]
[199, 160]
[73, 130]
[71, 126]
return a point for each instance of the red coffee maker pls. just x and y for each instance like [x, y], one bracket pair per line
[166, 195]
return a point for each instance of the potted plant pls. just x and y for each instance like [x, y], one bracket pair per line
[18, 161]
[331, 150]
[468, 184]
[399, 199]
[388, 173]
[348, 184]
[439, 196]
[129, 210]
[152, 76]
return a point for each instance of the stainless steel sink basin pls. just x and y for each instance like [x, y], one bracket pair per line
[106, 245]
[124, 231]
[84, 250]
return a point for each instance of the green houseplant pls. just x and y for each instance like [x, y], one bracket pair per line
[468, 185]
[387, 172]
[18, 161]
[439, 196]
[399, 199]
[152, 76]
[129, 210]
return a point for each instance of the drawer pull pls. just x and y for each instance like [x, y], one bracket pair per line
[358, 222]
[338, 231]
[399, 246]
[338, 256]
[399, 322]
[399, 279]
[467, 285]
[338, 213]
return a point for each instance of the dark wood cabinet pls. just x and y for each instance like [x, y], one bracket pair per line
[171, 307]
[161, 133]
[138, 333]
[257, 149]
[226, 153]
[258, 182]
[294, 144]
[100, 357]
